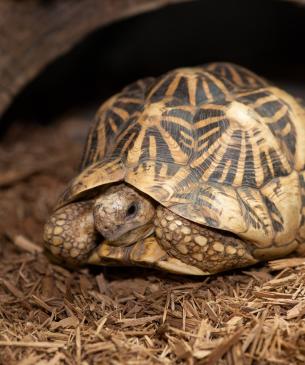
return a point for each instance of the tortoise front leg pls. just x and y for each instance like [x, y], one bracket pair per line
[70, 233]
[208, 249]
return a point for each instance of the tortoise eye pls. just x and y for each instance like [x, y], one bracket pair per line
[132, 210]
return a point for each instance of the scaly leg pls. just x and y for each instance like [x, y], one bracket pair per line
[206, 248]
[70, 234]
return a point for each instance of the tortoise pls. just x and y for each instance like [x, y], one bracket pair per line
[198, 171]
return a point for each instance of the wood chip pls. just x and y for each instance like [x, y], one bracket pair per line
[127, 322]
[27, 245]
[32, 344]
[16, 292]
[220, 350]
[284, 263]
[69, 322]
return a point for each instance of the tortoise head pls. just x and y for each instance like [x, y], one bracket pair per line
[123, 216]
[120, 215]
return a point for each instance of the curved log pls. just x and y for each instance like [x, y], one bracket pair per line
[35, 32]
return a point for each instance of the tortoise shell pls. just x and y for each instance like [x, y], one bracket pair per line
[216, 145]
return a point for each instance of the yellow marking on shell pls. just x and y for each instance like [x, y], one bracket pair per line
[121, 112]
[206, 136]
[112, 125]
[101, 142]
[178, 155]
[185, 107]
[217, 82]
[269, 162]
[201, 240]
[263, 100]
[135, 152]
[107, 105]
[113, 166]
[200, 160]
[218, 158]
[282, 157]
[128, 142]
[280, 113]
[173, 85]
[286, 130]
[225, 171]
[235, 75]
[128, 99]
[259, 172]
[204, 122]
[158, 84]
[241, 165]
[187, 137]
[212, 106]
[152, 147]
[206, 90]
[163, 170]
[213, 66]
[192, 87]
[125, 131]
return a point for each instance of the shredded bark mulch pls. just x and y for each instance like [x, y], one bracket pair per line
[51, 315]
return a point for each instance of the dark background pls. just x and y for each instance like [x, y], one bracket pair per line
[265, 36]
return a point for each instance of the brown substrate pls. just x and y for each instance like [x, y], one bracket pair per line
[49, 315]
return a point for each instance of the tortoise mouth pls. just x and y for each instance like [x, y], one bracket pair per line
[132, 236]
